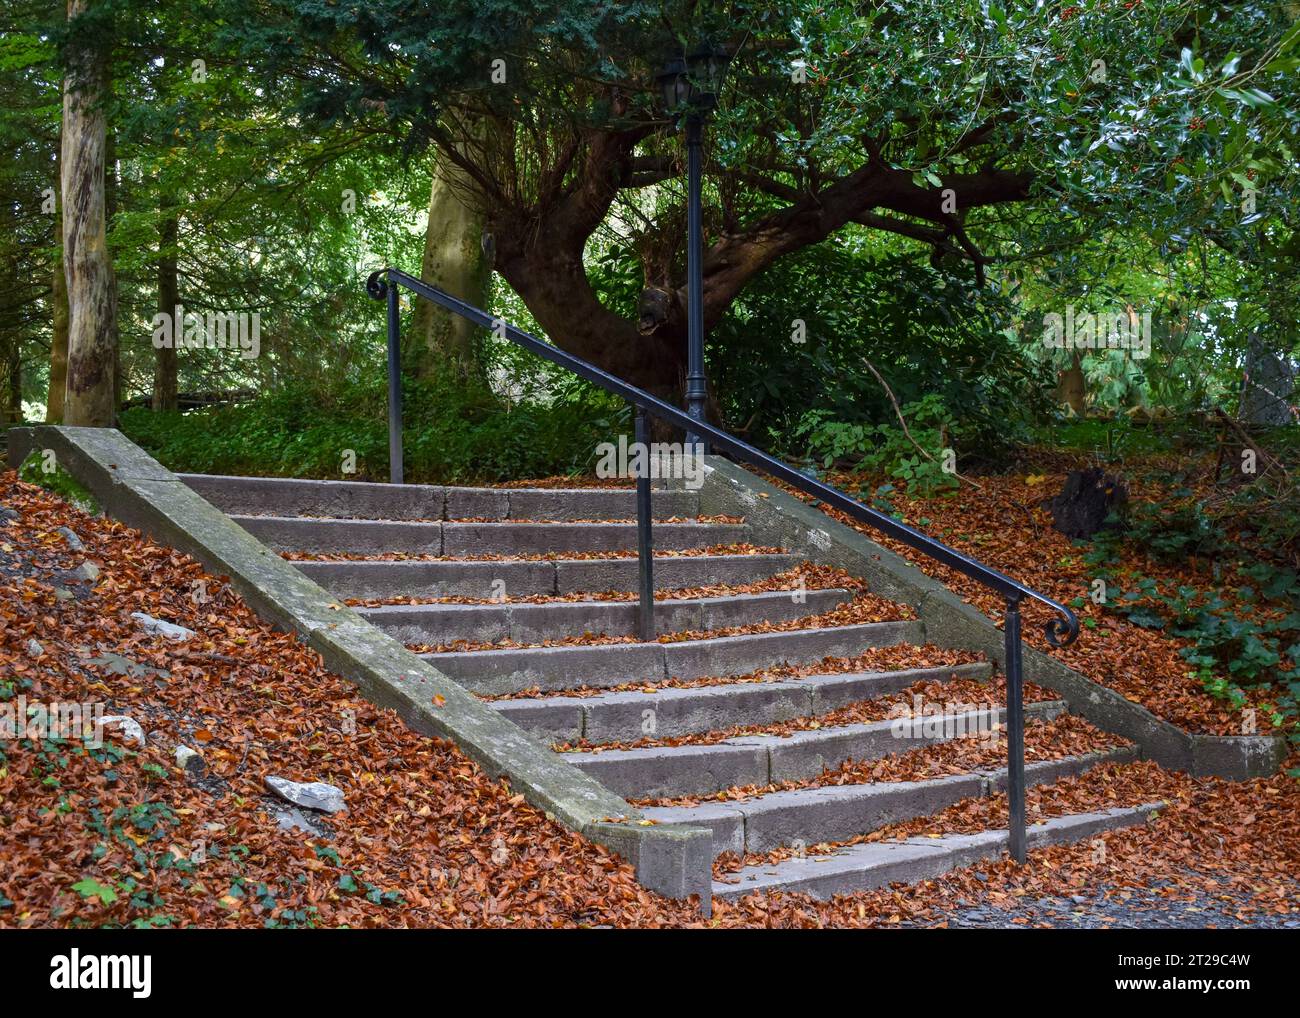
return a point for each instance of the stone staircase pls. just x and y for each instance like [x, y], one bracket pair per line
[526, 597]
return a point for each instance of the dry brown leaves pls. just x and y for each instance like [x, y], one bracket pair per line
[1209, 833]
[422, 820]
[1142, 664]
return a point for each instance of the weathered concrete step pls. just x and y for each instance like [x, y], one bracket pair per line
[529, 622]
[291, 496]
[522, 577]
[374, 537]
[659, 772]
[878, 864]
[362, 537]
[670, 712]
[284, 496]
[834, 813]
[493, 672]
[530, 538]
[564, 503]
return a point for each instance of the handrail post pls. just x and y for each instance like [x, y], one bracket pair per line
[696, 385]
[644, 537]
[395, 471]
[1015, 731]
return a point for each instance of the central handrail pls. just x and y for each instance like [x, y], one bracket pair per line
[1060, 631]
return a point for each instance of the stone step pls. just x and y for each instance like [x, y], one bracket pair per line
[291, 496]
[622, 717]
[285, 496]
[835, 813]
[533, 622]
[495, 672]
[878, 864]
[523, 577]
[661, 772]
[565, 503]
[376, 537]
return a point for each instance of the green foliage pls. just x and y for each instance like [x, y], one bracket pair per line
[1266, 513]
[885, 448]
[1173, 533]
[452, 434]
[1130, 149]
[1108, 439]
[928, 335]
[1233, 643]
[89, 888]
[58, 481]
[1155, 107]
[355, 883]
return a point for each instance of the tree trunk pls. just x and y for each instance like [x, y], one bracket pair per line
[554, 286]
[92, 311]
[12, 369]
[165, 366]
[453, 261]
[110, 213]
[59, 298]
[1267, 386]
[1072, 388]
[540, 230]
[11, 330]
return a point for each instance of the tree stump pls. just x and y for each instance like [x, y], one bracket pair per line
[1086, 501]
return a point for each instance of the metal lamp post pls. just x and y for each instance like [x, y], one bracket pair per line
[690, 91]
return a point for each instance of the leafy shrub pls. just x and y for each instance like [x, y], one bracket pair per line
[1267, 513]
[855, 298]
[885, 448]
[451, 434]
[1229, 648]
[1173, 534]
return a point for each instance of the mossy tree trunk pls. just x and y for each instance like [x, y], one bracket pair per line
[59, 299]
[1072, 389]
[454, 260]
[92, 309]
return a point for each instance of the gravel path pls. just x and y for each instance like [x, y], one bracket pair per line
[1158, 906]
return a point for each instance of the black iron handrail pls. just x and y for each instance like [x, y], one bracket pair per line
[1060, 631]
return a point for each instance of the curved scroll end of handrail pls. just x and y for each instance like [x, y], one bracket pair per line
[1063, 631]
[377, 285]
